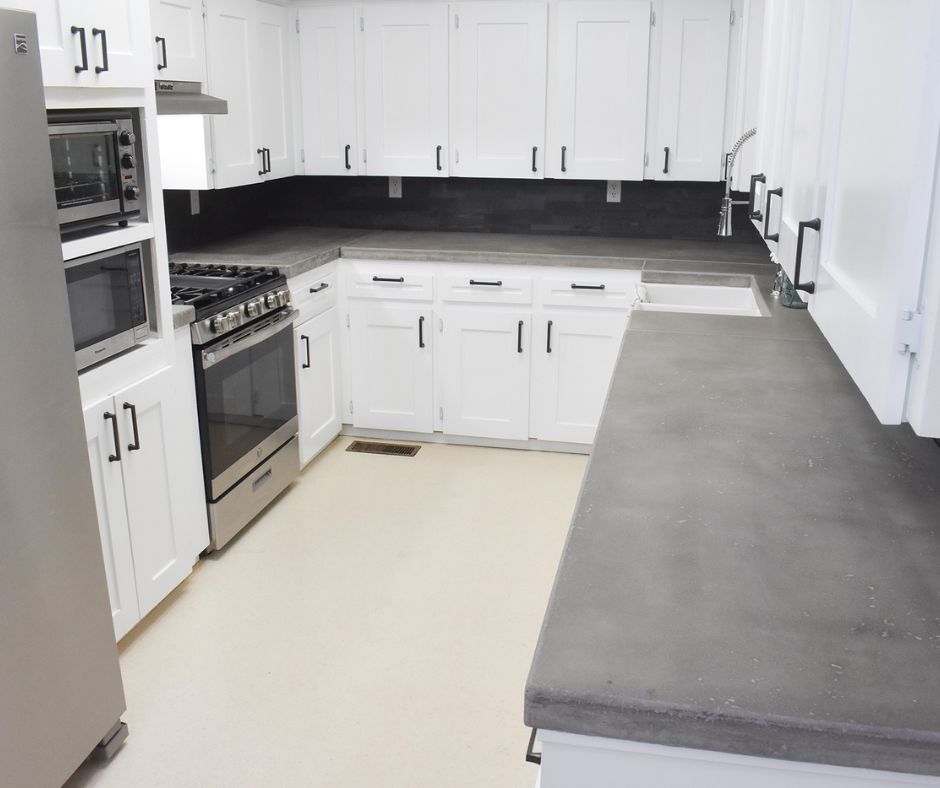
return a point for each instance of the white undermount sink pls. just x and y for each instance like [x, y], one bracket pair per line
[700, 299]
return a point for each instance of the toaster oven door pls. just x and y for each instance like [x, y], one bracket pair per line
[86, 171]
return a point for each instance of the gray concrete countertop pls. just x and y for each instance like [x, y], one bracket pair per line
[183, 316]
[753, 562]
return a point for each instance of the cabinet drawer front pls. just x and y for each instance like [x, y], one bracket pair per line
[483, 287]
[596, 288]
[390, 284]
[313, 291]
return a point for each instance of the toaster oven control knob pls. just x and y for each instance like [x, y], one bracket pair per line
[253, 309]
[127, 137]
[271, 300]
[220, 324]
[132, 192]
[128, 161]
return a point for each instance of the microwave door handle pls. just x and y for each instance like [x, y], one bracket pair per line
[212, 357]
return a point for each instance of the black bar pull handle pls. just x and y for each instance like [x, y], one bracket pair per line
[421, 331]
[491, 284]
[162, 42]
[439, 167]
[84, 65]
[548, 341]
[348, 165]
[267, 158]
[563, 168]
[263, 170]
[95, 31]
[530, 755]
[387, 279]
[519, 347]
[753, 211]
[322, 287]
[772, 193]
[135, 446]
[806, 287]
[666, 161]
[306, 364]
[534, 151]
[116, 457]
[576, 286]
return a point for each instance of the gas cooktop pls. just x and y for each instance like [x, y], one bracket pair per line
[211, 288]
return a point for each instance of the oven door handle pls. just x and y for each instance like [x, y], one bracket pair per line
[212, 357]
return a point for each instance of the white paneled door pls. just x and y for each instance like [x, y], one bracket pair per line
[274, 120]
[406, 68]
[316, 345]
[501, 71]
[600, 101]
[179, 40]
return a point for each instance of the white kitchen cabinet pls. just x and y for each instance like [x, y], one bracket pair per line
[572, 369]
[406, 90]
[141, 494]
[500, 82]
[328, 90]
[316, 344]
[392, 366]
[179, 40]
[485, 372]
[692, 89]
[92, 43]
[601, 67]
[275, 118]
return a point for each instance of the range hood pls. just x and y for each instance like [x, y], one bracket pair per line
[187, 98]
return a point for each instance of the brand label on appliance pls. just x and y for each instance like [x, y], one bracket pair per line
[19, 44]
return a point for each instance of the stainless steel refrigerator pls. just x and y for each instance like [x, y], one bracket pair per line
[60, 682]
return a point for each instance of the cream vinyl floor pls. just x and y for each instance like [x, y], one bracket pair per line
[373, 627]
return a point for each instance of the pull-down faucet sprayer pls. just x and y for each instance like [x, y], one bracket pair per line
[724, 219]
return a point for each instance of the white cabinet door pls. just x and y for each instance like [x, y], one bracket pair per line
[600, 102]
[501, 68]
[392, 367]
[146, 413]
[179, 40]
[104, 452]
[693, 77]
[485, 373]
[316, 344]
[572, 372]
[274, 118]
[406, 71]
[328, 90]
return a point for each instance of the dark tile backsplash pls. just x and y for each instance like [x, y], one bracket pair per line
[648, 209]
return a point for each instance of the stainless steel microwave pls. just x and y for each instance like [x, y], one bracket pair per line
[94, 166]
[107, 303]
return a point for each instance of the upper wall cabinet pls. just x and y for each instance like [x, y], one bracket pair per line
[601, 72]
[500, 83]
[328, 90]
[179, 40]
[692, 90]
[406, 108]
[91, 43]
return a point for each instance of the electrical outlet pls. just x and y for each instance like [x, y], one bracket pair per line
[193, 202]
[394, 186]
[613, 191]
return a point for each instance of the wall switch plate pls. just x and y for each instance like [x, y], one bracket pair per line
[613, 191]
[394, 186]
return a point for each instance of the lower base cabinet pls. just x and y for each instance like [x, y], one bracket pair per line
[137, 484]
[316, 343]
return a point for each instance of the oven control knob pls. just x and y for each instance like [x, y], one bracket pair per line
[132, 192]
[220, 324]
[281, 298]
[253, 309]
[234, 319]
[128, 161]
[271, 300]
[127, 137]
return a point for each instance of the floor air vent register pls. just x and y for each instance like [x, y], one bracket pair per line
[393, 449]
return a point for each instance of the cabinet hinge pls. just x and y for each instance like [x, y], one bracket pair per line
[212, 166]
[347, 321]
[909, 332]
[350, 406]
[456, 157]
[362, 23]
[203, 7]
[303, 156]
[440, 323]
[652, 19]
[442, 414]
[646, 160]
[456, 22]
[732, 17]
[363, 154]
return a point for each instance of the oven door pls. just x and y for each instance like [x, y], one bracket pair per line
[86, 171]
[247, 399]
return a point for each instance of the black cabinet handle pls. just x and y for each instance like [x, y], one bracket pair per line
[491, 284]
[520, 337]
[534, 151]
[563, 168]
[267, 154]
[116, 457]
[263, 169]
[104, 48]
[575, 286]
[439, 167]
[806, 287]
[84, 65]
[323, 286]
[666, 161]
[348, 165]
[306, 340]
[162, 42]
[548, 340]
[772, 193]
[530, 755]
[753, 211]
[421, 331]
[135, 446]
[387, 279]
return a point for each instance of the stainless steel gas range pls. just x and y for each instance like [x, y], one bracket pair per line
[243, 353]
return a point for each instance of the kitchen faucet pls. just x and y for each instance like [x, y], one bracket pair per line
[724, 219]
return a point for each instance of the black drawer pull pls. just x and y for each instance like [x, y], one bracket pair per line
[162, 42]
[439, 167]
[322, 287]
[548, 341]
[348, 165]
[534, 151]
[421, 331]
[306, 364]
[135, 446]
[116, 457]
[264, 168]
[575, 286]
[490, 284]
[563, 168]
[520, 337]
[806, 287]
[753, 211]
[104, 48]
[387, 279]
[530, 755]
[772, 193]
[84, 65]
[666, 162]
